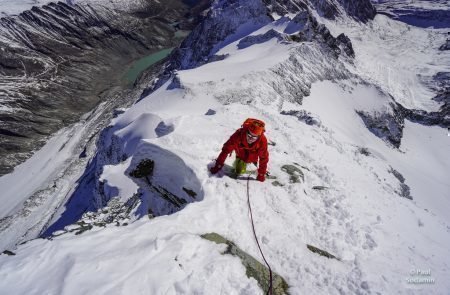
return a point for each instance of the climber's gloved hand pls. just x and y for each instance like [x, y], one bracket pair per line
[261, 177]
[215, 169]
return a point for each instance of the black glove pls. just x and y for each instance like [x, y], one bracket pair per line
[215, 169]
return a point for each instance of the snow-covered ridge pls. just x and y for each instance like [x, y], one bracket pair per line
[226, 16]
[199, 48]
[382, 211]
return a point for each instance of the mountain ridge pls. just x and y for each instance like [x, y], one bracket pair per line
[357, 197]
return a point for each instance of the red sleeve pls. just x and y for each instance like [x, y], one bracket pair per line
[228, 147]
[263, 154]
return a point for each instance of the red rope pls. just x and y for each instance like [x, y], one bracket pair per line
[269, 291]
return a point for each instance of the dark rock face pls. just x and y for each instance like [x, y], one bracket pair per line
[56, 60]
[387, 126]
[303, 116]
[446, 45]
[258, 39]
[345, 44]
[221, 22]
[312, 30]
[441, 118]
[361, 10]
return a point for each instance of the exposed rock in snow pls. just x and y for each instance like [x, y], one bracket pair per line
[404, 190]
[309, 29]
[420, 13]
[303, 116]
[386, 125]
[345, 44]
[360, 10]
[446, 45]
[258, 39]
[253, 267]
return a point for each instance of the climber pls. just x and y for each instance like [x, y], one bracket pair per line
[250, 145]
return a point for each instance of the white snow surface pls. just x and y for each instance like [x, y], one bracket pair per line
[379, 236]
[416, 4]
[400, 58]
[14, 7]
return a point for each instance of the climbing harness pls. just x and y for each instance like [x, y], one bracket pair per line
[269, 291]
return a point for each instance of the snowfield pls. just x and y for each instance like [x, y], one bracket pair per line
[14, 7]
[399, 58]
[382, 211]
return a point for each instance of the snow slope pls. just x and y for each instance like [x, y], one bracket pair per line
[400, 58]
[14, 7]
[421, 13]
[351, 203]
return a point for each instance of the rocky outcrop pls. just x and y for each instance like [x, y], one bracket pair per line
[386, 125]
[359, 10]
[303, 116]
[254, 269]
[312, 30]
[222, 21]
[389, 125]
[446, 45]
[258, 39]
[58, 59]
[403, 189]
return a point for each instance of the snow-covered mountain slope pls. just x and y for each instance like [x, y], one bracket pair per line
[14, 7]
[340, 183]
[58, 60]
[421, 13]
[402, 59]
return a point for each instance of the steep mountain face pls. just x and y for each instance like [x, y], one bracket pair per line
[360, 10]
[227, 17]
[431, 13]
[423, 14]
[228, 21]
[358, 165]
[58, 59]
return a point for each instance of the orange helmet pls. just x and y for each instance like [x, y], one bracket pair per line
[255, 126]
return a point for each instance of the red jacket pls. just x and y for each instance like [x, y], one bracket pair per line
[244, 151]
